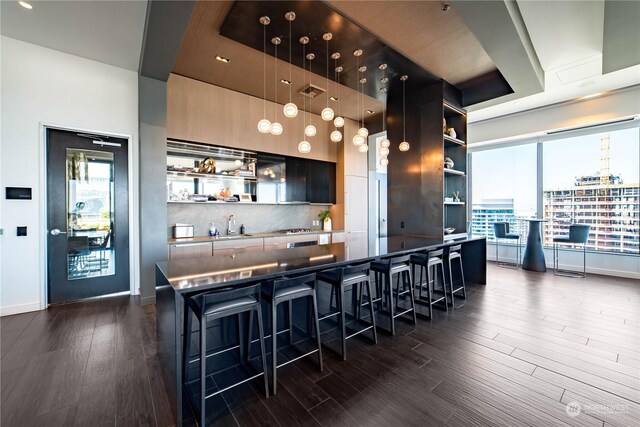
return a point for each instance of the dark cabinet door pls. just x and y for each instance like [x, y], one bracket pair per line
[321, 182]
[296, 180]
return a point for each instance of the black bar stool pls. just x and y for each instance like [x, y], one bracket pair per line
[455, 253]
[578, 234]
[340, 279]
[384, 271]
[429, 263]
[286, 290]
[217, 305]
[501, 231]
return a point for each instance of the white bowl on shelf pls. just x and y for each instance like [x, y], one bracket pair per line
[449, 230]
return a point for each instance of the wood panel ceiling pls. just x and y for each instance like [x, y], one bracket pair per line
[431, 45]
[202, 42]
[436, 40]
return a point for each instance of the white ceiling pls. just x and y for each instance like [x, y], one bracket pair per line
[106, 31]
[568, 39]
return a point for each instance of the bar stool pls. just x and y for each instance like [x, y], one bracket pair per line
[455, 253]
[384, 271]
[501, 231]
[429, 263]
[578, 234]
[217, 305]
[340, 279]
[286, 290]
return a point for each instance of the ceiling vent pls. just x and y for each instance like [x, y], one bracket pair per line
[312, 91]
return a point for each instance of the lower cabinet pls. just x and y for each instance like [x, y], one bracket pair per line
[229, 247]
[190, 250]
[258, 244]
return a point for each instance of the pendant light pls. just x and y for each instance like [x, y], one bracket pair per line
[327, 113]
[358, 139]
[336, 135]
[385, 143]
[264, 125]
[310, 130]
[290, 109]
[404, 145]
[276, 128]
[304, 146]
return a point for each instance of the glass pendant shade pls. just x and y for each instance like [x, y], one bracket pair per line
[264, 126]
[363, 148]
[404, 146]
[310, 130]
[384, 161]
[385, 143]
[327, 114]
[358, 140]
[384, 151]
[338, 122]
[276, 128]
[290, 110]
[304, 147]
[363, 132]
[336, 136]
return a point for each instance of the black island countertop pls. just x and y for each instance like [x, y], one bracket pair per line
[201, 274]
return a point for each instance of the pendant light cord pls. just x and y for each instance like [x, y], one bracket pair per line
[404, 136]
[327, 74]
[290, 43]
[275, 68]
[264, 71]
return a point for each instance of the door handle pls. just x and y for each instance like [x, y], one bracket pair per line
[55, 232]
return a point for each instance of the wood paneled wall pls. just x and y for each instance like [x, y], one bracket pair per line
[202, 112]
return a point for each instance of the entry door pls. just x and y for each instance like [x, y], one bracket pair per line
[87, 215]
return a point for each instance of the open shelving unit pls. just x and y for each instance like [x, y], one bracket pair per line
[235, 169]
[455, 179]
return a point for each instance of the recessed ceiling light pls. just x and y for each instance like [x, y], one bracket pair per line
[223, 59]
[370, 111]
[593, 95]
[25, 5]
[287, 82]
[333, 98]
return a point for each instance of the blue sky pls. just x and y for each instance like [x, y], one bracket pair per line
[511, 172]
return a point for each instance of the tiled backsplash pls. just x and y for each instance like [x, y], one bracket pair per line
[256, 218]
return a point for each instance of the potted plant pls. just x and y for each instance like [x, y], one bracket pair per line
[326, 220]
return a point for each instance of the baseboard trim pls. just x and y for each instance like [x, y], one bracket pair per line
[18, 309]
[148, 300]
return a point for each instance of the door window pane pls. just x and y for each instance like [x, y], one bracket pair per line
[594, 179]
[90, 217]
[504, 188]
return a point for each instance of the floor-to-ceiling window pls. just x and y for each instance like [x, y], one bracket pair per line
[504, 187]
[593, 179]
[590, 176]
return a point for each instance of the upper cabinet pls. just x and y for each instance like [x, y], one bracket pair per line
[202, 112]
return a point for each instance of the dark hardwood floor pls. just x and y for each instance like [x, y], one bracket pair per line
[516, 352]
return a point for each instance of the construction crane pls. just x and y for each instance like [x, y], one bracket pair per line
[605, 174]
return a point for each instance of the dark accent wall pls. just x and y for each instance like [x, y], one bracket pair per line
[415, 177]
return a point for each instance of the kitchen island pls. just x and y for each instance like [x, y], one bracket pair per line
[180, 279]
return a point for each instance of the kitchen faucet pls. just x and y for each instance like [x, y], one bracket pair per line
[232, 220]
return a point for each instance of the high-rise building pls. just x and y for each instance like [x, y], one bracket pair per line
[488, 211]
[609, 206]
